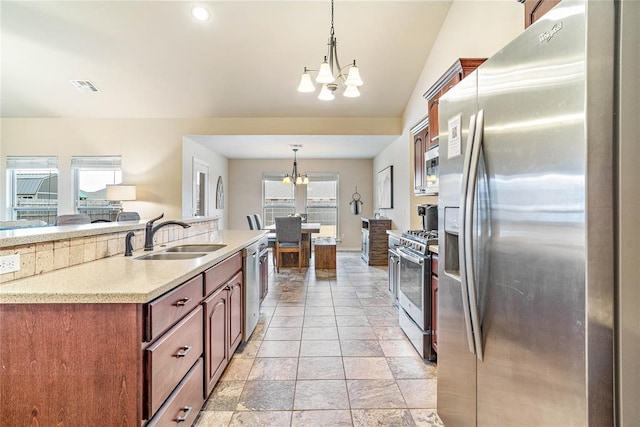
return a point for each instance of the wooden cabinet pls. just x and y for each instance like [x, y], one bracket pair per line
[137, 364]
[223, 320]
[374, 240]
[420, 134]
[434, 302]
[456, 72]
[534, 9]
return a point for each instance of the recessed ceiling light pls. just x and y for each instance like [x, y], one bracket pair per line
[200, 13]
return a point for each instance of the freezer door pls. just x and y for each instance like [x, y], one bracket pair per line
[456, 352]
[533, 298]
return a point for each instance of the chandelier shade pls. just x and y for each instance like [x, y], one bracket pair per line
[331, 73]
[295, 178]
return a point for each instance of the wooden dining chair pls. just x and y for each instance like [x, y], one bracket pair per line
[252, 222]
[288, 239]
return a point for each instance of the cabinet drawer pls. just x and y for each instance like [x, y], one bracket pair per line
[221, 273]
[169, 359]
[434, 265]
[166, 310]
[184, 403]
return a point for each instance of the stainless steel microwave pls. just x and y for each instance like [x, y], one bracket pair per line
[431, 160]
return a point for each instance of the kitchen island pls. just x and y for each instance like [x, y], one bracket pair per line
[120, 340]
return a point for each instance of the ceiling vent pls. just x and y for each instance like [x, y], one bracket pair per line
[84, 85]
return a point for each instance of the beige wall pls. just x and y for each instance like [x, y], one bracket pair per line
[151, 149]
[245, 183]
[472, 29]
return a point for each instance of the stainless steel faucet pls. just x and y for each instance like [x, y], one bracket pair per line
[128, 244]
[150, 230]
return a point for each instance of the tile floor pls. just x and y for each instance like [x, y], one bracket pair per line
[327, 351]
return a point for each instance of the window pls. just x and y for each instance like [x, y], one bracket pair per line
[318, 199]
[278, 199]
[90, 178]
[322, 202]
[33, 188]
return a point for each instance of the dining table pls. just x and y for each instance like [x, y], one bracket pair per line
[308, 228]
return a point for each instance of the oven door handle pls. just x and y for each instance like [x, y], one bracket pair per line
[410, 257]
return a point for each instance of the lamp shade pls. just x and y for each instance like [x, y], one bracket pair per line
[121, 192]
[326, 94]
[351, 92]
[325, 75]
[353, 79]
[306, 85]
[286, 179]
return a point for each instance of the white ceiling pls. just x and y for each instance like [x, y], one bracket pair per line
[150, 59]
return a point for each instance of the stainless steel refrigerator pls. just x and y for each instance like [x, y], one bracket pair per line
[527, 226]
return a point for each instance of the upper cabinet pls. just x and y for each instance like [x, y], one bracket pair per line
[534, 9]
[426, 134]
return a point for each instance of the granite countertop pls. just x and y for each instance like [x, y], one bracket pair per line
[433, 248]
[121, 279]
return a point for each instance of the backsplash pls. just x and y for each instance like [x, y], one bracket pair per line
[38, 258]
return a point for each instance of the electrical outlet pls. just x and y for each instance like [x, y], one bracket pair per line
[9, 263]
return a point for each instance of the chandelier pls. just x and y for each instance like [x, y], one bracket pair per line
[295, 178]
[330, 78]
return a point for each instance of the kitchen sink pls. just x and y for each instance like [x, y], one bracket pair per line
[195, 248]
[170, 256]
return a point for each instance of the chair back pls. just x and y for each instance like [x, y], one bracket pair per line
[258, 220]
[289, 229]
[252, 222]
[73, 219]
[128, 216]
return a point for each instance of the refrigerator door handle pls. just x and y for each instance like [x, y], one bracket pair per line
[469, 232]
[461, 234]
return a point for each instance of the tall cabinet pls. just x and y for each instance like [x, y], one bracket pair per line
[374, 240]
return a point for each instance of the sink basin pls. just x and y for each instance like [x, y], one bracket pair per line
[195, 248]
[170, 256]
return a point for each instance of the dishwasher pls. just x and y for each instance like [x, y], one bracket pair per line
[251, 289]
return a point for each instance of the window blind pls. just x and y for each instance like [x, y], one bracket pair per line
[96, 162]
[32, 162]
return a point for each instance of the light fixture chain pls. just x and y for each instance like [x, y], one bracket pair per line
[332, 18]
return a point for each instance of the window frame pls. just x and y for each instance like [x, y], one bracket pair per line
[107, 209]
[46, 164]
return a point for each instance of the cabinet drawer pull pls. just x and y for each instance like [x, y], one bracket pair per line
[187, 411]
[182, 302]
[183, 351]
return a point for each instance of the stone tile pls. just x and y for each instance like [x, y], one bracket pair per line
[319, 311]
[426, 418]
[279, 349]
[389, 333]
[266, 396]
[214, 419]
[320, 368]
[274, 368]
[346, 302]
[398, 348]
[225, 396]
[382, 417]
[283, 334]
[286, 321]
[289, 311]
[319, 321]
[248, 350]
[325, 418]
[238, 369]
[384, 320]
[419, 394]
[367, 368]
[356, 333]
[349, 311]
[267, 311]
[261, 418]
[319, 333]
[321, 394]
[411, 368]
[319, 302]
[361, 348]
[320, 348]
[352, 321]
[375, 394]
[44, 261]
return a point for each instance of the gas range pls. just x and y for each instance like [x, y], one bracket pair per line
[418, 241]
